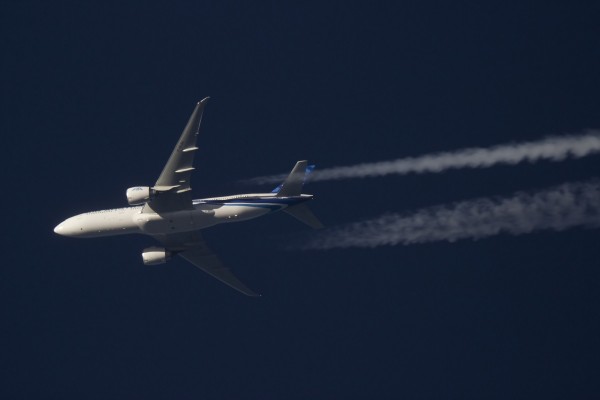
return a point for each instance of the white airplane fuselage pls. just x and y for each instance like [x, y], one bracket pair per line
[167, 212]
[205, 213]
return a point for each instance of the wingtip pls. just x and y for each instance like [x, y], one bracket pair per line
[204, 100]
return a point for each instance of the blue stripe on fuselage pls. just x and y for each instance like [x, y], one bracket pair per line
[272, 207]
[249, 201]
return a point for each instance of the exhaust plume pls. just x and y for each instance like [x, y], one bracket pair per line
[554, 148]
[558, 208]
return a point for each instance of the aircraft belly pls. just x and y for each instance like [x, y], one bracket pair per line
[180, 221]
[232, 213]
[106, 224]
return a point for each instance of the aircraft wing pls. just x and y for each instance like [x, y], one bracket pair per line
[191, 247]
[172, 189]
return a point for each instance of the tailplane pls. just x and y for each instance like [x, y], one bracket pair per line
[292, 186]
[303, 214]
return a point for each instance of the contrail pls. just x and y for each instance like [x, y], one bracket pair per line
[554, 148]
[558, 208]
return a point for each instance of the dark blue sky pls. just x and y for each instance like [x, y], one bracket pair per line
[94, 98]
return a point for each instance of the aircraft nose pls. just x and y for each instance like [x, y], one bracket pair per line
[69, 227]
[59, 229]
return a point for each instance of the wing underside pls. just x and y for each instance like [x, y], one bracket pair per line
[191, 247]
[173, 189]
[172, 192]
[212, 265]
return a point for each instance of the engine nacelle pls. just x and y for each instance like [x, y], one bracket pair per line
[139, 195]
[155, 255]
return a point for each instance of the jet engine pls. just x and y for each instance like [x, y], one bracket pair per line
[155, 255]
[139, 195]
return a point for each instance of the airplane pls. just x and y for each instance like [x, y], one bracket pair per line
[167, 212]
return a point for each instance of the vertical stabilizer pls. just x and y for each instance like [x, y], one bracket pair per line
[309, 170]
[292, 185]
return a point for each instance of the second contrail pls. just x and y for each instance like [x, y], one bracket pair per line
[554, 148]
[558, 208]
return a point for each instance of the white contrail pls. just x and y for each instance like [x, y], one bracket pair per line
[562, 207]
[555, 148]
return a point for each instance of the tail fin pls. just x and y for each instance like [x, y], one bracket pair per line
[303, 214]
[292, 185]
[309, 170]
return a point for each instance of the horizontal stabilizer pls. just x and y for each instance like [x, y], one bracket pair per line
[303, 214]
